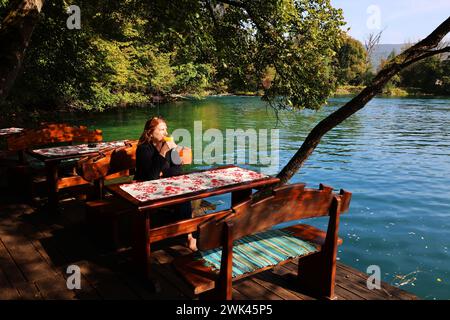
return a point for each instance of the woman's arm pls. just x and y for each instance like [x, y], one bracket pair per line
[167, 146]
[174, 167]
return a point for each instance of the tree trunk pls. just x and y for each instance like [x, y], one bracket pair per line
[15, 33]
[421, 50]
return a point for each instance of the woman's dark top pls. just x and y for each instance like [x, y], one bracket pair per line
[149, 163]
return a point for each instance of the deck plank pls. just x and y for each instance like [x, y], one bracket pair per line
[7, 292]
[54, 288]
[29, 261]
[275, 288]
[237, 295]
[254, 291]
[162, 267]
[29, 291]
[283, 278]
[9, 266]
[386, 289]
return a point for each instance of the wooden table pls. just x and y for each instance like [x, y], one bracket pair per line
[148, 196]
[6, 132]
[54, 155]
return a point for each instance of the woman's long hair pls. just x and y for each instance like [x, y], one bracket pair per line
[150, 125]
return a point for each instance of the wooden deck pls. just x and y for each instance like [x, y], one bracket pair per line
[35, 252]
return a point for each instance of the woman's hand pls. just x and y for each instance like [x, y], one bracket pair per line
[166, 147]
[171, 144]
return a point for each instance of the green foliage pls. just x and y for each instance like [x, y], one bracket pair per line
[391, 87]
[348, 90]
[394, 91]
[193, 78]
[3, 6]
[128, 51]
[299, 39]
[351, 62]
[429, 76]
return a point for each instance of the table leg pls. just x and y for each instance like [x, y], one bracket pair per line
[21, 156]
[240, 195]
[141, 245]
[142, 251]
[99, 185]
[52, 183]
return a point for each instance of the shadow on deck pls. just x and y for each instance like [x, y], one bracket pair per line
[35, 252]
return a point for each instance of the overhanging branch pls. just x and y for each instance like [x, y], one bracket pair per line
[419, 51]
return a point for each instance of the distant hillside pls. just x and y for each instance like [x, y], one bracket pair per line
[382, 51]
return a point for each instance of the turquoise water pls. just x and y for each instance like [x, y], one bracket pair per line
[394, 156]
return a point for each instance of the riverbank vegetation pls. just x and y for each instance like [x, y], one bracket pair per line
[137, 52]
[132, 53]
[429, 77]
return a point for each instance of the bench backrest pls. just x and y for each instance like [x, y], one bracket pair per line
[52, 133]
[108, 163]
[287, 203]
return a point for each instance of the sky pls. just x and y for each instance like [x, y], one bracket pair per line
[403, 21]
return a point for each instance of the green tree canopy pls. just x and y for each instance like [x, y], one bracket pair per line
[431, 76]
[127, 51]
[352, 62]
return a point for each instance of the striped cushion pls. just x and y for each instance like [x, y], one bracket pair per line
[259, 250]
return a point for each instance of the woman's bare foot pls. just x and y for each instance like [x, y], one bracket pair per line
[192, 243]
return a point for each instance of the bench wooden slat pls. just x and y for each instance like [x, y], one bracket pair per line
[52, 133]
[68, 182]
[199, 277]
[310, 234]
[183, 227]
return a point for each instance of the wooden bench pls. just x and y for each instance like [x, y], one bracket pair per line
[113, 164]
[211, 271]
[106, 215]
[47, 134]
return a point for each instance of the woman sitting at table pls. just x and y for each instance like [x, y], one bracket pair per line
[155, 158]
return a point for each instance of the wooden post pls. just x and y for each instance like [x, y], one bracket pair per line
[99, 185]
[52, 184]
[141, 244]
[226, 264]
[330, 248]
[317, 272]
[21, 156]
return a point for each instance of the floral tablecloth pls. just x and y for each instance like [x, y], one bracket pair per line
[79, 149]
[199, 181]
[8, 131]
